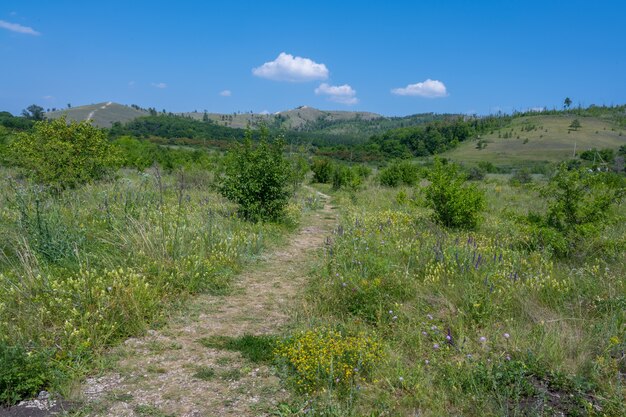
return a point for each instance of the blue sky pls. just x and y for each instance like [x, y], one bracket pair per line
[392, 57]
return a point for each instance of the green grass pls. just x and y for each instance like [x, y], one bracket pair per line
[101, 117]
[256, 349]
[150, 411]
[85, 269]
[548, 141]
[204, 373]
[473, 322]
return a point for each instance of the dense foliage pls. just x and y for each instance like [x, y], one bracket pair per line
[12, 122]
[456, 204]
[141, 154]
[435, 137]
[578, 204]
[257, 178]
[399, 173]
[64, 155]
[175, 127]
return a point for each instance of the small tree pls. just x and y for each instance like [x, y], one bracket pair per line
[575, 125]
[578, 204]
[567, 103]
[258, 178]
[322, 170]
[64, 155]
[456, 204]
[33, 112]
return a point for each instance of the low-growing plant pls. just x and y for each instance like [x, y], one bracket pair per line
[456, 204]
[22, 373]
[251, 347]
[328, 359]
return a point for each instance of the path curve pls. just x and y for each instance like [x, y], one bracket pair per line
[91, 114]
[156, 374]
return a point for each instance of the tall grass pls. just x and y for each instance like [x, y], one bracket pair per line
[474, 323]
[84, 269]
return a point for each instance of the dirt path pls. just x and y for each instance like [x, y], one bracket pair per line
[91, 114]
[170, 373]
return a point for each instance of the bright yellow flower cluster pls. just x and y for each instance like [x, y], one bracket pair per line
[323, 358]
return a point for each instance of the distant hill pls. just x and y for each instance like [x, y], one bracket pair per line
[102, 114]
[295, 119]
[540, 138]
[357, 125]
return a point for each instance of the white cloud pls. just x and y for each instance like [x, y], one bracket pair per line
[293, 69]
[159, 85]
[536, 109]
[226, 93]
[429, 89]
[48, 97]
[265, 112]
[16, 27]
[343, 94]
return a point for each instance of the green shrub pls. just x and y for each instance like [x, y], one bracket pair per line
[135, 153]
[363, 171]
[521, 176]
[299, 169]
[399, 173]
[64, 155]
[488, 167]
[456, 204]
[346, 177]
[22, 374]
[476, 174]
[322, 170]
[578, 203]
[257, 178]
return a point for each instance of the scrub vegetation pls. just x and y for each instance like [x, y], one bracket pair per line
[456, 280]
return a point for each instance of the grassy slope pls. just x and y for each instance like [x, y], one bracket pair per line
[549, 142]
[294, 119]
[101, 117]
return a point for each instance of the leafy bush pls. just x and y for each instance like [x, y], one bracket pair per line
[488, 167]
[322, 170]
[22, 373]
[64, 155]
[399, 173]
[476, 174]
[258, 179]
[363, 171]
[299, 169]
[578, 203]
[142, 154]
[456, 204]
[521, 176]
[346, 177]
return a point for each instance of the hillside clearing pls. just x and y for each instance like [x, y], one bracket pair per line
[537, 139]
